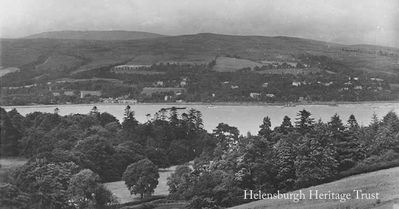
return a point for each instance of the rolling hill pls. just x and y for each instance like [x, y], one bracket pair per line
[83, 52]
[95, 35]
[385, 182]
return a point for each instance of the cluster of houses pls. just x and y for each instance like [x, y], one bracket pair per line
[182, 83]
[125, 68]
[119, 100]
[20, 87]
[83, 94]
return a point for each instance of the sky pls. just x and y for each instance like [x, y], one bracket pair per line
[341, 21]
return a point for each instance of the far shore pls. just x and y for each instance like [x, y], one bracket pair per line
[286, 104]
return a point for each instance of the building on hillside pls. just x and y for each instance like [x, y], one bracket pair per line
[183, 82]
[69, 93]
[127, 101]
[149, 91]
[270, 95]
[265, 85]
[159, 83]
[296, 83]
[56, 94]
[83, 94]
[254, 95]
[358, 87]
[129, 67]
[377, 79]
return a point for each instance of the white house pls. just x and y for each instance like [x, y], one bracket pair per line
[358, 87]
[254, 95]
[90, 93]
[296, 83]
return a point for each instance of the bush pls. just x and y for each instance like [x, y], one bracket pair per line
[373, 163]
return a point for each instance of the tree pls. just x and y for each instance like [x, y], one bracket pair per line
[141, 177]
[285, 153]
[12, 197]
[97, 155]
[129, 125]
[286, 125]
[173, 117]
[47, 183]
[106, 118]
[226, 136]
[352, 123]
[94, 111]
[85, 191]
[179, 182]
[304, 122]
[17, 120]
[9, 136]
[346, 143]
[265, 130]
[254, 164]
[387, 135]
[316, 158]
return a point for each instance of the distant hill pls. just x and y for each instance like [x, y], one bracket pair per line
[95, 35]
[108, 48]
[385, 182]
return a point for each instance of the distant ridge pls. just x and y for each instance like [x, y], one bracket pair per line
[95, 35]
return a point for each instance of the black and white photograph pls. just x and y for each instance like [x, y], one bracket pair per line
[191, 104]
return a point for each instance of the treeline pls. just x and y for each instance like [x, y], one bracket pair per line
[291, 156]
[99, 142]
[60, 148]
[70, 156]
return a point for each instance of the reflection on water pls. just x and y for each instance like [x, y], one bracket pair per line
[246, 118]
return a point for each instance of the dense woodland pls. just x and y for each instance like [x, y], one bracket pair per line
[71, 156]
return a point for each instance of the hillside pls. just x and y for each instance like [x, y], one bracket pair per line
[385, 182]
[198, 48]
[206, 60]
[95, 35]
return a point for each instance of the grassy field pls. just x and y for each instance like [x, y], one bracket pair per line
[120, 190]
[9, 163]
[385, 182]
[59, 63]
[227, 64]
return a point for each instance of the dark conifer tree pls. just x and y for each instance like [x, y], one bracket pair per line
[286, 125]
[316, 158]
[9, 136]
[265, 129]
[304, 122]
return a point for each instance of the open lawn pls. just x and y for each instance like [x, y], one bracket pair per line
[120, 190]
[228, 64]
[385, 182]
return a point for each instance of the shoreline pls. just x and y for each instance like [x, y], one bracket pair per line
[282, 104]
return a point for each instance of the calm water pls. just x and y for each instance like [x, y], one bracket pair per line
[245, 118]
